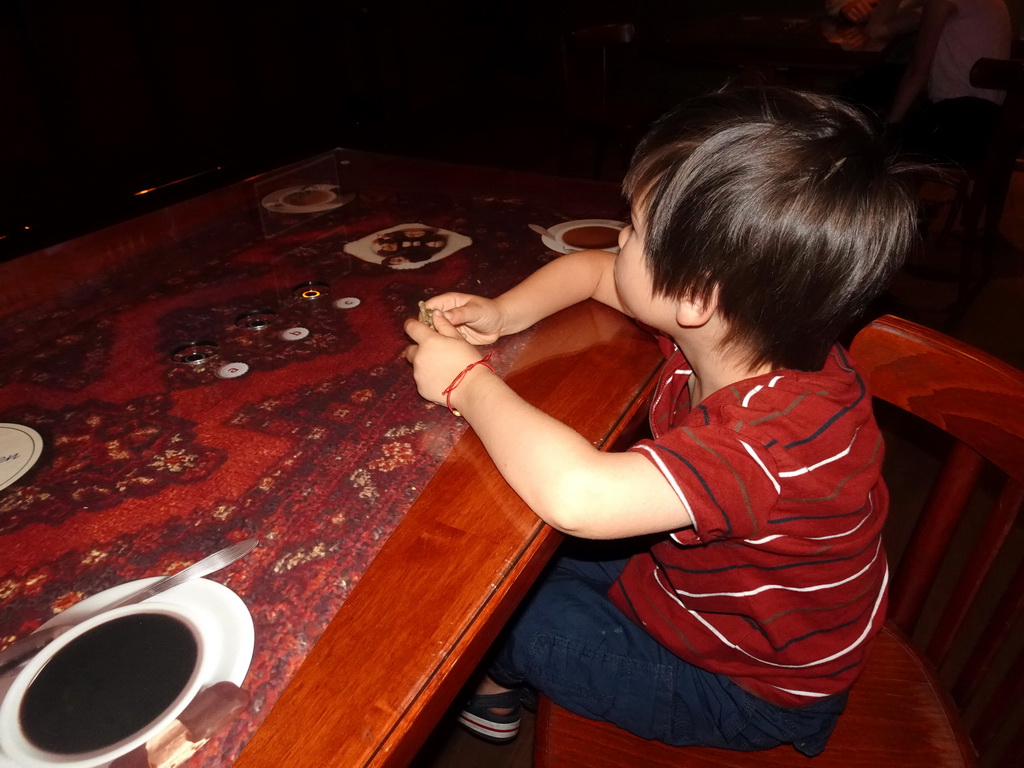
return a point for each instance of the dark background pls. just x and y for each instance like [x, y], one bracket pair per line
[102, 99]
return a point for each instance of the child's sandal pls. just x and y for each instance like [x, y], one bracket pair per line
[477, 718]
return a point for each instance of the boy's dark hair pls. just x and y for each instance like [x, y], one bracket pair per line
[786, 203]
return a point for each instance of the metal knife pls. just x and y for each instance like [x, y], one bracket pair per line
[20, 651]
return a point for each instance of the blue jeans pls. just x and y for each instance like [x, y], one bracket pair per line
[570, 642]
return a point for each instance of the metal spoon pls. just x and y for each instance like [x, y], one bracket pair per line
[20, 651]
[543, 232]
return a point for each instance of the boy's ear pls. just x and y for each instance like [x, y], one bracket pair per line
[694, 312]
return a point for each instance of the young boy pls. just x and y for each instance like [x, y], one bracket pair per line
[763, 222]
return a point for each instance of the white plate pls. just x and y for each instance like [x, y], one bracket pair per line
[208, 603]
[275, 200]
[557, 244]
[20, 448]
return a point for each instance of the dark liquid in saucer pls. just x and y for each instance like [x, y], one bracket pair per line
[108, 684]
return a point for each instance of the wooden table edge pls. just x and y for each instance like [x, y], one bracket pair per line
[300, 730]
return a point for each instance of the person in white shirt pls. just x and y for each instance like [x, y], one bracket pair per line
[936, 111]
[892, 24]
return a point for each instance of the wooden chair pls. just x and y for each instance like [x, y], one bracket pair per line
[900, 711]
[980, 190]
[595, 62]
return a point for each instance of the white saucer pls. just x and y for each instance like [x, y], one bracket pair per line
[275, 200]
[20, 448]
[557, 244]
[208, 603]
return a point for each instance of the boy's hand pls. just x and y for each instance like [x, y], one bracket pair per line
[474, 318]
[437, 357]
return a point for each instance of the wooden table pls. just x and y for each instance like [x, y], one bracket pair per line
[441, 570]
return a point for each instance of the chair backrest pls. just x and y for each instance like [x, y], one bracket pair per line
[979, 402]
[587, 61]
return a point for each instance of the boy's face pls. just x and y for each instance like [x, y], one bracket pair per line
[633, 279]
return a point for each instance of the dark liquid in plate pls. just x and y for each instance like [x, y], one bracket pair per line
[591, 236]
[108, 684]
[309, 197]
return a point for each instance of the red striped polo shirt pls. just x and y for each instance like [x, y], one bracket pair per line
[781, 582]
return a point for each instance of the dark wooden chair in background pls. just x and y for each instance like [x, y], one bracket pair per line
[924, 680]
[979, 191]
[596, 62]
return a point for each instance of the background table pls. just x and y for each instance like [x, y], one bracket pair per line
[766, 43]
[323, 450]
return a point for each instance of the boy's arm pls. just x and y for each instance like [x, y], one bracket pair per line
[567, 280]
[569, 484]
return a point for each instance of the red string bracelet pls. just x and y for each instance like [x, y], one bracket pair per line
[458, 380]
